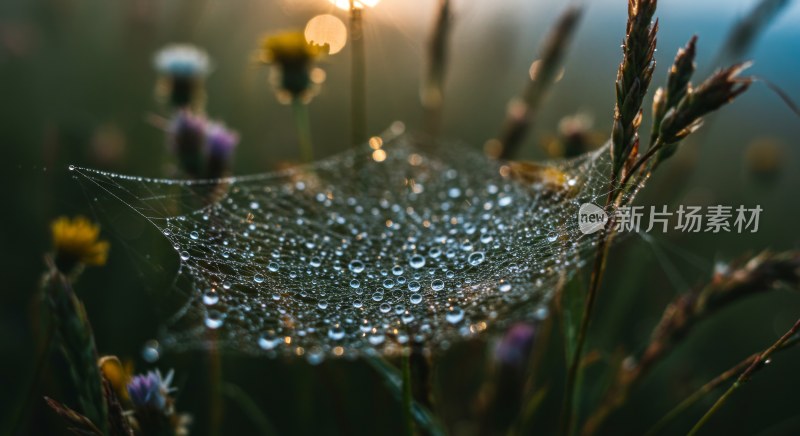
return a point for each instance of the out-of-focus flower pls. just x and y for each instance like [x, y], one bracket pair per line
[117, 374]
[153, 411]
[151, 390]
[292, 59]
[515, 346]
[575, 137]
[76, 242]
[187, 139]
[204, 148]
[765, 158]
[221, 142]
[183, 68]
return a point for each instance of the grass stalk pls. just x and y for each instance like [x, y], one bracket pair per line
[711, 386]
[303, 126]
[547, 70]
[755, 366]
[408, 397]
[358, 76]
[432, 92]
[743, 278]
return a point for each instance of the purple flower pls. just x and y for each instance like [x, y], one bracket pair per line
[221, 141]
[515, 346]
[151, 390]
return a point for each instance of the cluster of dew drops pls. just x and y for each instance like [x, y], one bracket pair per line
[315, 265]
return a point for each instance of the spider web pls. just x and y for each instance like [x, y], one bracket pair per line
[430, 243]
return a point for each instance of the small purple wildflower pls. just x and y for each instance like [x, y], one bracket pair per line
[515, 346]
[151, 390]
[220, 143]
[187, 138]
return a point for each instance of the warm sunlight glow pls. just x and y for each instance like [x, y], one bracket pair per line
[327, 29]
[357, 4]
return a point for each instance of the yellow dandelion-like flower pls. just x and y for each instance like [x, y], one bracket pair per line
[76, 241]
[290, 48]
[117, 373]
[292, 59]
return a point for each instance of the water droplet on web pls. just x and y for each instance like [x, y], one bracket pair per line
[415, 298]
[416, 261]
[414, 286]
[194, 235]
[214, 319]
[504, 287]
[185, 255]
[258, 278]
[336, 333]
[476, 258]
[151, 351]
[355, 284]
[273, 266]
[210, 297]
[356, 266]
[269, 341]
[455, 315]
[437, 285]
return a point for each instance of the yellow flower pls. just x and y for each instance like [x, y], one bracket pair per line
[290, 48]
[76, 242]
[292, 59]
[117, 374]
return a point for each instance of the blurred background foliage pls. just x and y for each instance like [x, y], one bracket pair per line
[77, 85]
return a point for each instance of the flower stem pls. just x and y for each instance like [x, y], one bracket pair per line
[303, 125]
[358, 85]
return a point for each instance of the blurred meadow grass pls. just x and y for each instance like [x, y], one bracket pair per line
[76, 85]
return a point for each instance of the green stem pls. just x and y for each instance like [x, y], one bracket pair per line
[573, 370]
[303, 125]
[215, 386]
[407, 396]
[709, 387]
[756, 364]
[358, 86]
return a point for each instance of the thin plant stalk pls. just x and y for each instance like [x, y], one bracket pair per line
[571, 387]
[548, 67]
[303, 125]
[711, 386]
[215, 385]
[408, 399]
[432, 93]
[358, 84]
[755, 365]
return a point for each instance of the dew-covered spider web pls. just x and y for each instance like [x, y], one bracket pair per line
[420, 242]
